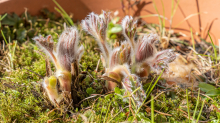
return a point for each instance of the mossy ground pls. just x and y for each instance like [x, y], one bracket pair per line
[22, 98]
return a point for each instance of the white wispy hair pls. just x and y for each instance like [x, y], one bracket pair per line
[47, 45]
[145, 47]
[161, 60]
[68, 49]
[129, 27]
[114, 57]
[97, 27]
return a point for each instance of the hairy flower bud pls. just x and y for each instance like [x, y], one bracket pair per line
[145, 47]
[161, 60]
[125, 53]
[116, 76]
[120, 55]
[129, 26]
[47, 45]
[97, 26]
[67, 52]
[117, 73]
[67, 48]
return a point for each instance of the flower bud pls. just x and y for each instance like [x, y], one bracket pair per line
[161, 60]
[50, 85]
[120, 55]
[67, 48]
[145, 47]
[67, 52]
[117, 73]
[97, 26]
[129, 26]
[47, 45]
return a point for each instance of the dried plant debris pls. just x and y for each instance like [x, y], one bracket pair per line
[181, 72]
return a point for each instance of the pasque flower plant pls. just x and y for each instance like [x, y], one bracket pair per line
[124, 63]
[66, 52]
[132, 59]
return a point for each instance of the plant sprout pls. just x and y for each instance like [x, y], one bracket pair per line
[132, 59]
[50, 85]
[67, 52]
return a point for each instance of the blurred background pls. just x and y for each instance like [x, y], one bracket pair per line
[180, 15]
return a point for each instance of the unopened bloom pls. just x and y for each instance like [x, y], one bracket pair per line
[47, 44]
[97, 27]
[161, 60]
[120, 55]
[117, 73]
[50, 85]
[145, 47]
[119, 60]
[67, 52]
[129, 26]
[146, 56]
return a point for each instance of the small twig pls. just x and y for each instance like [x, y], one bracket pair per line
[154, 98]
[96, 70]
[48, 67]
[51, 111]
[130, 107]
[158, 111]
[206, 96]
[207, 50]
[34, 73]
[87, 99]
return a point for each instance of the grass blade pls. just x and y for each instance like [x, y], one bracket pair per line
[163, 12]
[155, 83]
[63, 13]
[152, 109]
[3, 17]
[107, 111]
[188, 17]
[163, 23]
[215, 51]
[187, 99]
[197, 102]
[160, 21]
[152, 15]
[193, 42]
[174, 11]
[200, 111]
[67, 22]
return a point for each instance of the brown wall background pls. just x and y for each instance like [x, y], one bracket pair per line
[207, 19]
